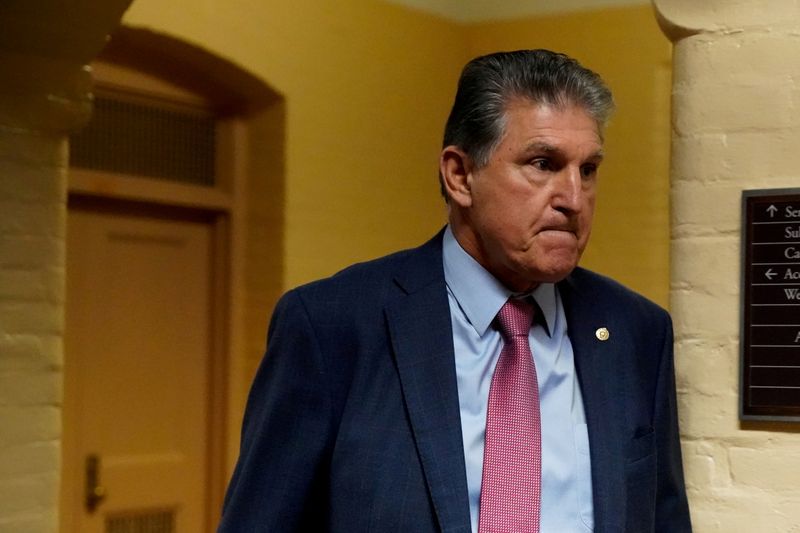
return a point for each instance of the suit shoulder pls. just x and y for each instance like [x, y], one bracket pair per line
[358, 276]
[372, 279]
[614, 293]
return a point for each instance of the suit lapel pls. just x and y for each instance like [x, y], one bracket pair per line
[422, 339]
[596, 365]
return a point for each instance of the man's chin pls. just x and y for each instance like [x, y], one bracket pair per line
[530, 279]
[555, 272]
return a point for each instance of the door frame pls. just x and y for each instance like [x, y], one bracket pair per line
[224, 205]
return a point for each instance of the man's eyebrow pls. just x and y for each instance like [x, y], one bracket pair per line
[598, 155]
[538, 146]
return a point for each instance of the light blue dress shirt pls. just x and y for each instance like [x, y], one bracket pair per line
[475, 297]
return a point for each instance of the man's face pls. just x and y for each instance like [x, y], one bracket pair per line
[527, 214]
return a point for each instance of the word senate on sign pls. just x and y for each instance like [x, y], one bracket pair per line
[770, 347]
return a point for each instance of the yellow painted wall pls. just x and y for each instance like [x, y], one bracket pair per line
[367, 87]
[630, 240]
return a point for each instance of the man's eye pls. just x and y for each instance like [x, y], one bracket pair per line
[541, 164]
[587, 171]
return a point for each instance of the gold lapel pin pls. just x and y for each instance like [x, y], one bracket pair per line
[602, 334]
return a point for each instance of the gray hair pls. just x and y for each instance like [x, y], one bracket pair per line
[488, 83]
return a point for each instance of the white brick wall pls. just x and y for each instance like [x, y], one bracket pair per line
[736, 125]
[32, 220]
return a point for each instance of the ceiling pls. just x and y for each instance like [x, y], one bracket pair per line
[483, 10]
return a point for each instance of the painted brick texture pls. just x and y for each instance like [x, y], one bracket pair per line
[32, 221]
[736, 124]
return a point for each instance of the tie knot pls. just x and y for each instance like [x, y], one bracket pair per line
[515, 318]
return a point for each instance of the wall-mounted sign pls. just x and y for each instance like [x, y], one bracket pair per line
[770, 334]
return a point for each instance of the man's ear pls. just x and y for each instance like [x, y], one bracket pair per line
[456, 167]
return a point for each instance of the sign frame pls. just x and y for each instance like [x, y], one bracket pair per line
[751, 200]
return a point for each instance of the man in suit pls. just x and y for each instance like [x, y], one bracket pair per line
[481, 382]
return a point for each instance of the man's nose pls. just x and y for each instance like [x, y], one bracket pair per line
[569, 190]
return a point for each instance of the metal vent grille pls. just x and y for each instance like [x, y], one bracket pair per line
[150, 522]
[141, 140]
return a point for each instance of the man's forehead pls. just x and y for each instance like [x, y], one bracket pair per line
[549, 128]
[518, 105]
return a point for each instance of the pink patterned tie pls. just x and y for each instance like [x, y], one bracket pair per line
[512, 459]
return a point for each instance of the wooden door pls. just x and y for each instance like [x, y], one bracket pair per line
[138, 354]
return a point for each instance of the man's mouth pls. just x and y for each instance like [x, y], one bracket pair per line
[559, 229]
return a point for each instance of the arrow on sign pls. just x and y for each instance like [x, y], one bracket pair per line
[770, 274]
[772, 210]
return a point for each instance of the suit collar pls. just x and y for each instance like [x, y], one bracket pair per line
[480, 295]
[423, 266]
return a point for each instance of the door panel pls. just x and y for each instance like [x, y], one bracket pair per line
[138, 351]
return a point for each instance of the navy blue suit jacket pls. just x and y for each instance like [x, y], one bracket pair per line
[353, 421]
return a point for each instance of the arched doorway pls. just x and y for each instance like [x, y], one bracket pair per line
[157, 259]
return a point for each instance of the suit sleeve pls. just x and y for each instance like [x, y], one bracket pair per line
[672, 509]
[285, 433]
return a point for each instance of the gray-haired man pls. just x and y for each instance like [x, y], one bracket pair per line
[481, 382]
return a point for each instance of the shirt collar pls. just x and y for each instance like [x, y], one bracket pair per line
[479, 294]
